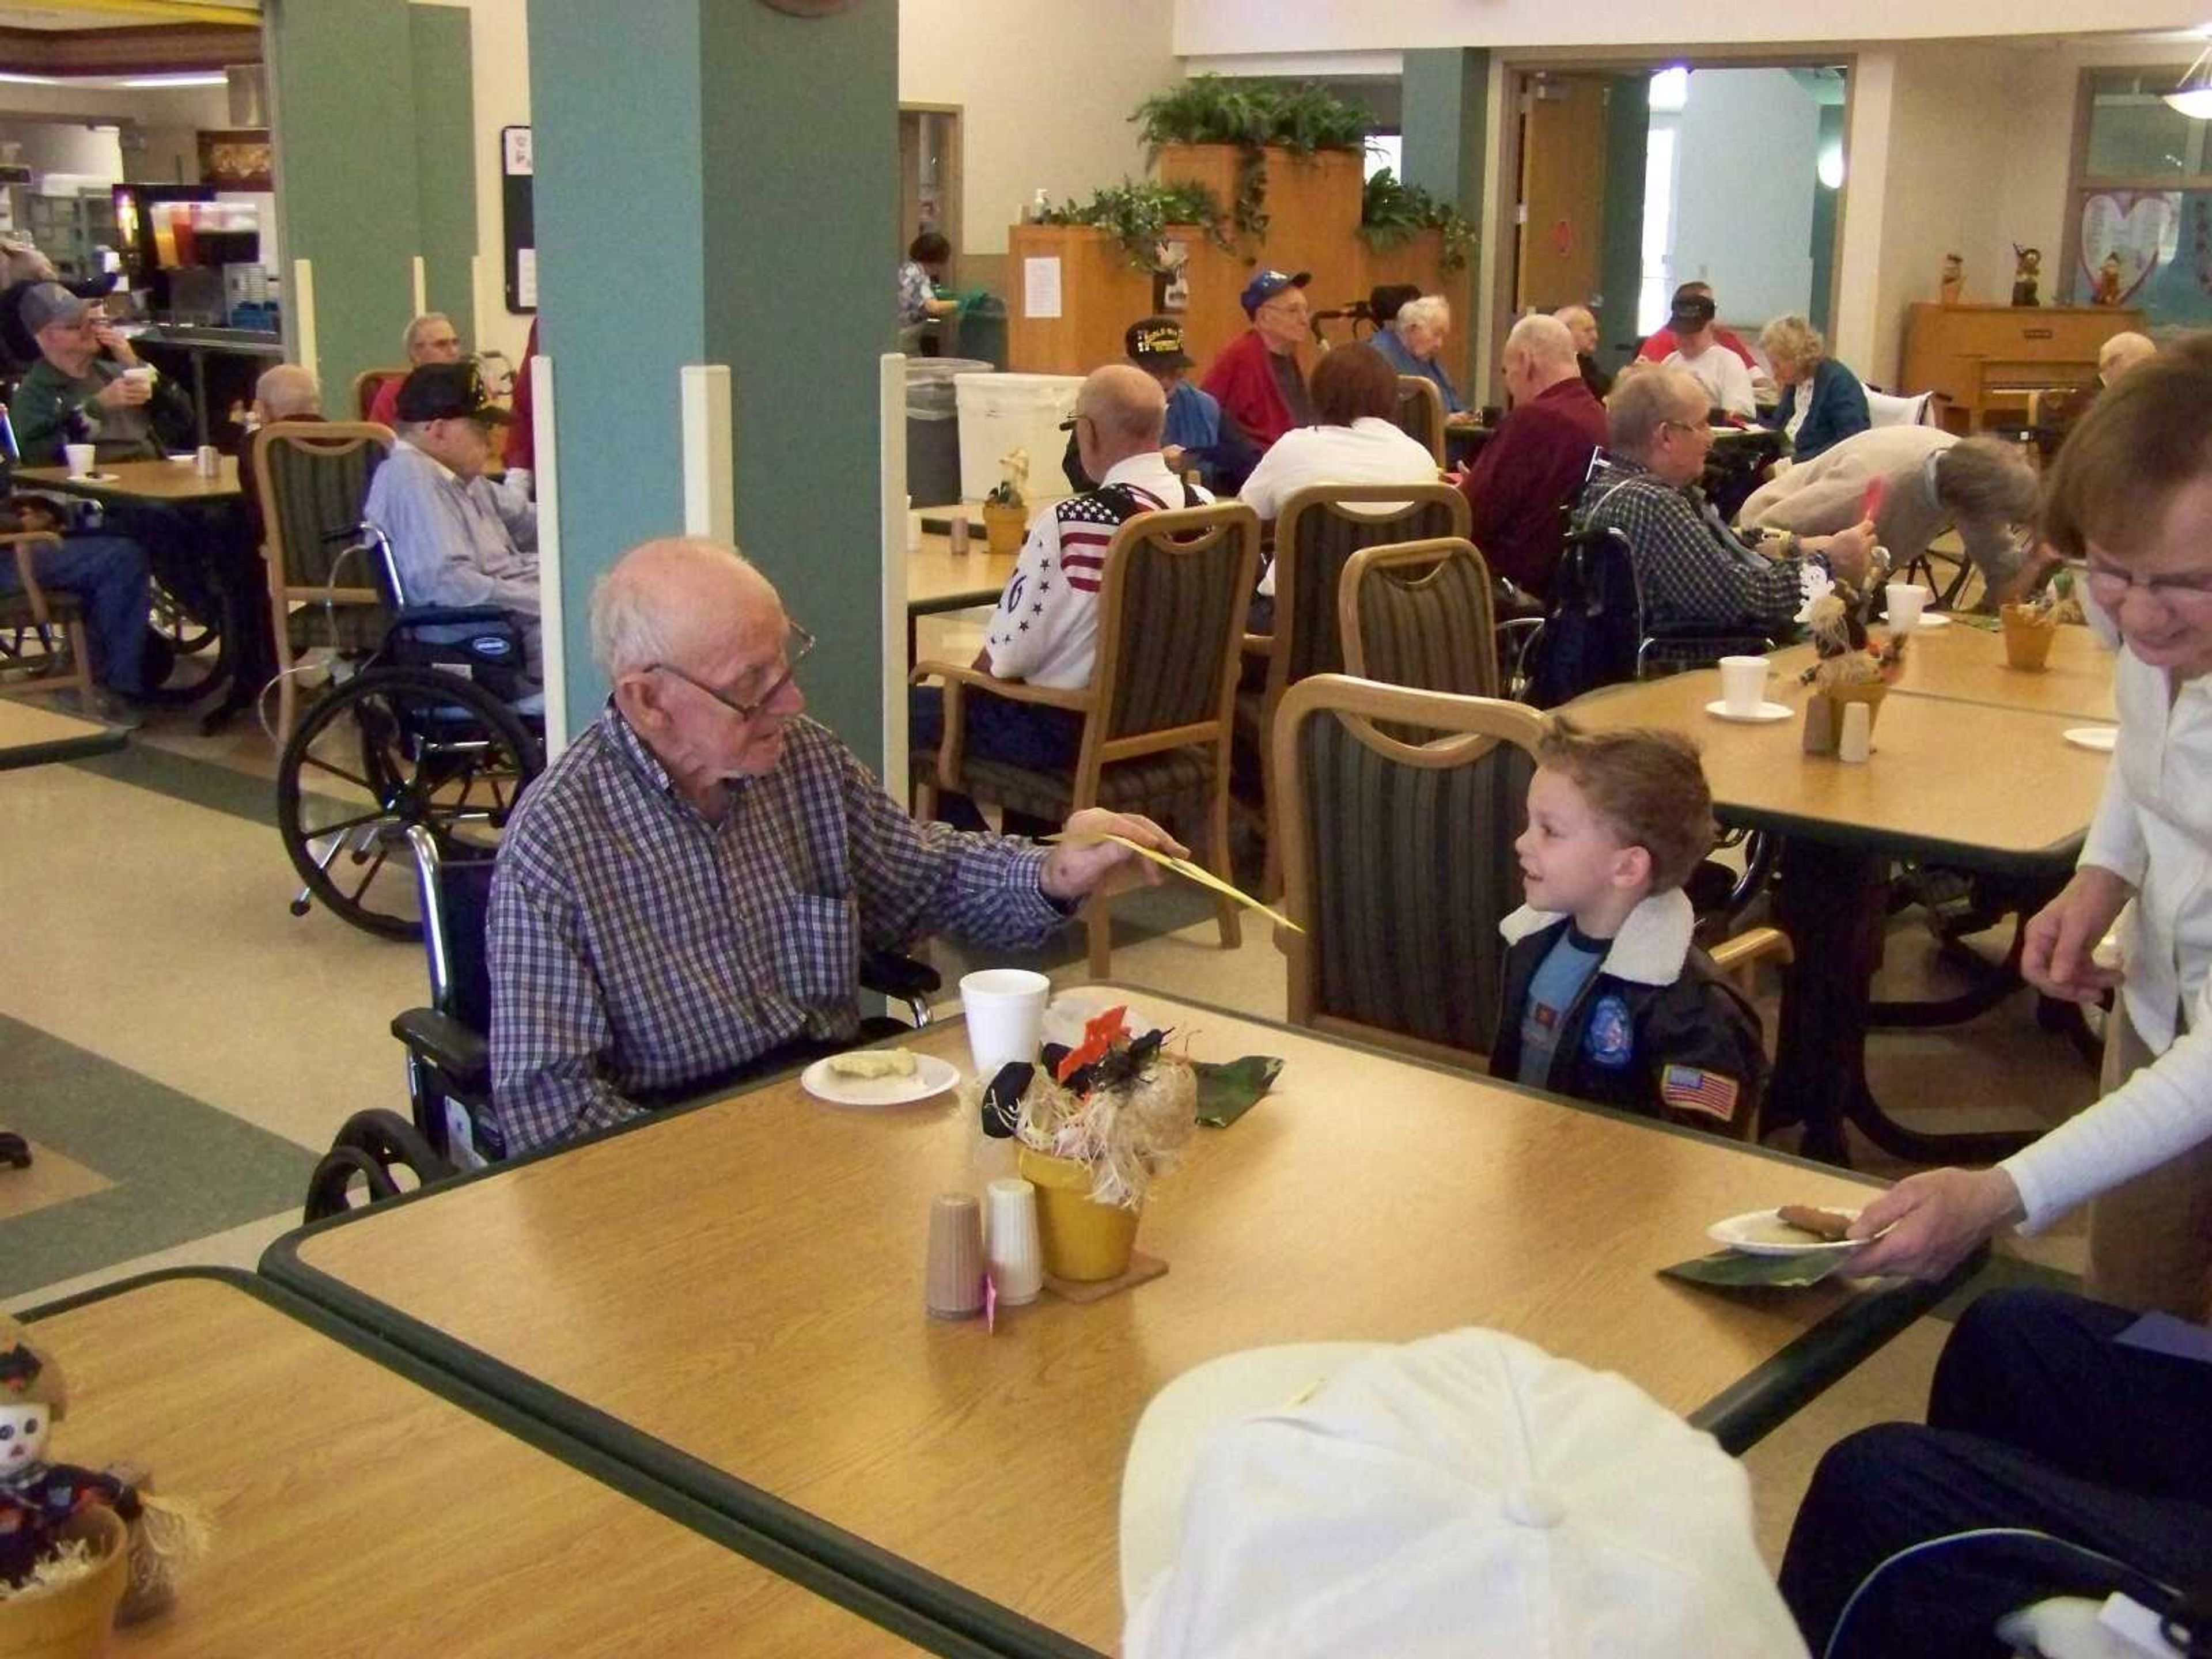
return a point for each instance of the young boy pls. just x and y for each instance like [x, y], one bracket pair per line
[1605, 997]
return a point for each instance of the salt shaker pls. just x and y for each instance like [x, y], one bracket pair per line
[1857, 739]
[1016, 1256]
[959, 532]
[955, 1280]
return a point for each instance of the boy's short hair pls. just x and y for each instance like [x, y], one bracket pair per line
[1647, 784]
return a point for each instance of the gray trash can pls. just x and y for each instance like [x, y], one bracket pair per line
[932, 427]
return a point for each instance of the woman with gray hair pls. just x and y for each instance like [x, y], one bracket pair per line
[1414, 341]
[1930, 480]
[1822, 402]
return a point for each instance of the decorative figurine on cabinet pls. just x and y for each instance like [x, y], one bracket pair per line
[2027, 275]
[2107, 291]
[1955, 280]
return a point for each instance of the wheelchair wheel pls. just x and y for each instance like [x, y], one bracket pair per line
[181, 624]
[391, 749]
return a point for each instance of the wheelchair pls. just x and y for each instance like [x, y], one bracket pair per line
[436, 729]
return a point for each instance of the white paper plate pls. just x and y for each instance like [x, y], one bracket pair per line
[1931, 619]
[1763, 1232]
[1718, 709]
[931, 1076]
[2101, 739]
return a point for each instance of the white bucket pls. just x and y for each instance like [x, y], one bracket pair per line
[1000, 413]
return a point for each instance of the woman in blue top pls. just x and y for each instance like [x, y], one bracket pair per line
[1822, 402]
[1414, 340]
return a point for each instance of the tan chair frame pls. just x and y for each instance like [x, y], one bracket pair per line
[1421, 390]
[1470, 728]
[369, 382]
[78, 678]
[1382, 564]
[1096, 703]
[1277, 648]
[339, 437]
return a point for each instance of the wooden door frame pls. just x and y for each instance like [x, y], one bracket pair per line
[955, 176]
[1501, 215]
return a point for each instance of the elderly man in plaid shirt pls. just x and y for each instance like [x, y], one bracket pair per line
[1690, 567]
[692, 884]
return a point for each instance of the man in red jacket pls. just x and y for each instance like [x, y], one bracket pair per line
[1256, 377]
[1537, 461]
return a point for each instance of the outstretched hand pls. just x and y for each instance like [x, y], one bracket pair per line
[1933, 1221]
[1080, 862]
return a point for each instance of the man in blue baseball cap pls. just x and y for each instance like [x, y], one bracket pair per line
[1257, 378]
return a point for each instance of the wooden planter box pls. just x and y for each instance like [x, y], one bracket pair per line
[1101, 294]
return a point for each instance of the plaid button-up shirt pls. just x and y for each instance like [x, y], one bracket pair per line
[1689, 566]
[636, 947]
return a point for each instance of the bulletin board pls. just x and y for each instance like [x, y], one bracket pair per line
[518, 222]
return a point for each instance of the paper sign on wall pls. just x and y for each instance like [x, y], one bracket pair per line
[1041, 287]
[526, 276]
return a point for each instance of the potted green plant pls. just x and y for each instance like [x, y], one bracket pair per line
[1392, 213]
[1138, 213]
[1226, 134]
[1006, 509]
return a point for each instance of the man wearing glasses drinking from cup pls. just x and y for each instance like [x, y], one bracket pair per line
[693, 883]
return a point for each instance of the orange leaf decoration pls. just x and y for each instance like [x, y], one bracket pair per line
[1099, 1035]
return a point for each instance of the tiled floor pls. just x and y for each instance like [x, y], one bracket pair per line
[182, 1046]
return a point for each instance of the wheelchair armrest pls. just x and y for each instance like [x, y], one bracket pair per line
[460, 1053]
[901, 978]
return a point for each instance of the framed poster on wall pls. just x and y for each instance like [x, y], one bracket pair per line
[518, 226]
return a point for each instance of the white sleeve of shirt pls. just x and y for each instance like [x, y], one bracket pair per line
[2157, 1114]
[1035, 601]
[1262, 490]
[1738, 396]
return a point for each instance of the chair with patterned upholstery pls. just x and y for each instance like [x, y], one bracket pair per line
[367, 383]
[1159, 711]
[42, 640]
[312, 478]
[1420, 413]
[1398, 860]
[1420, 614]
[1318, 532]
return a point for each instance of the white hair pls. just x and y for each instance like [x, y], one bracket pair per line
[1546, 340]
[634, 620]
[287, 390]
[1430, 310]
[415, 329]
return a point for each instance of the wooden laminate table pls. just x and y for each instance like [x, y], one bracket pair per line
[355, 1511]
[1965, 663]
[247, 649]
[163, 480]
[1980, 786]
[730, 1297]
[32, 736]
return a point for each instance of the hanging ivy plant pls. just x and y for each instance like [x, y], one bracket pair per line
[1139, 213]
[1208, 109]
[1393, 212]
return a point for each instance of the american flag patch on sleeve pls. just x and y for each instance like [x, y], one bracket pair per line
[1694, 1090]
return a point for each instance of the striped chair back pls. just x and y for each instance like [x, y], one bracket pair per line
[1420, 413]
[1420, 614]
[1171, 622]
[1398, 860]
[1318, 533]
[313, 477]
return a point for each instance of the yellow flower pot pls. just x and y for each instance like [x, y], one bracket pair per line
[2028, 637]
[72, 1621]
[1083, 1240]
[1004, 526]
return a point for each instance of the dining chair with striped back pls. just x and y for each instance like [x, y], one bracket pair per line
[1420, 413]
[312, 478]
[1421, 614]
[1158, 714]
[1397, 814]
[1320, 529]
[367, 383]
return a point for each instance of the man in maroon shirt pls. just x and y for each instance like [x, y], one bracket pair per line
[1520, 483]
[1256, 377]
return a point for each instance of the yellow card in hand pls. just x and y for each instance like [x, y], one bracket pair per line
[1190, 872]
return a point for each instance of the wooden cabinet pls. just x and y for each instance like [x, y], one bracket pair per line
[1985, 360]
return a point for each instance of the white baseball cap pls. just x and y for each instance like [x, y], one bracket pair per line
[1467, 1495]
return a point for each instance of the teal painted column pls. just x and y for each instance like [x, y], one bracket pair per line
[718, 183]
[1446, 97]
[446, 160]
[1621, 257]
[342, 76]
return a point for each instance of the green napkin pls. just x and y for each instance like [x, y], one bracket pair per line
[1988, 624]
[1225, 1093]
[1737, 1267]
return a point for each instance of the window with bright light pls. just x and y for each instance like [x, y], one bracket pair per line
[1385, 149]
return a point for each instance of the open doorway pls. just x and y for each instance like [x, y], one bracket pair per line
[1633, 178]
